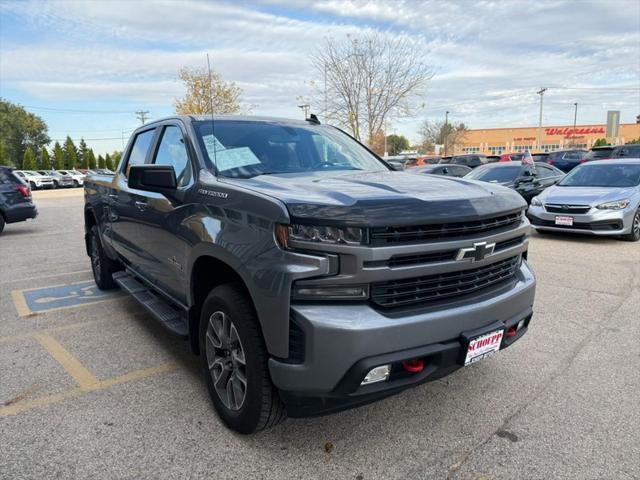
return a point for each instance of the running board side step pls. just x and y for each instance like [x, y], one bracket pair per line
[172, 318]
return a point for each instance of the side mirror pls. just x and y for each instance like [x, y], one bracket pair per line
[153, 178]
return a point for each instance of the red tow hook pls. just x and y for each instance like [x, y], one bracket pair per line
[511, 332]
[415, 365]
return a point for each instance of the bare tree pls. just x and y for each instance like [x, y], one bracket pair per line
[368, 79]
[440, 133]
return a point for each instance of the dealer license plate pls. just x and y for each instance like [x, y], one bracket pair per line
[483, 346]
[563, 220]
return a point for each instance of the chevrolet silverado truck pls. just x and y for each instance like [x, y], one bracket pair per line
[307, 274]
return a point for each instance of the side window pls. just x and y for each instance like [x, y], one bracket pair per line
[4, 178]
[173, 152]
[140, 148]
[572, 156]
[544, 172]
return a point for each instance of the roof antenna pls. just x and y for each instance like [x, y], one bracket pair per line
[213, 124]
[313, 118]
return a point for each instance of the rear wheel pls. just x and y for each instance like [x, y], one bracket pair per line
[102, 266]
[234, 362]
[76, 183]
[634, 235]
[32, 185]
[55, 184]
[1, 223]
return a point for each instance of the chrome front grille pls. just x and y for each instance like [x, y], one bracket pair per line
[567, 209]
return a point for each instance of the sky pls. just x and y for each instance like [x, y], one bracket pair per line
[86, 67]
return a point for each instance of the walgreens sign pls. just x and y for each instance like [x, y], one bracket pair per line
[568, 132]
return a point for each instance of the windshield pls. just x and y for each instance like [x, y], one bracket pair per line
[603, 176]
[495, 174]
[245, 148]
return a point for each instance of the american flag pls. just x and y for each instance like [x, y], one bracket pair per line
[527, 159]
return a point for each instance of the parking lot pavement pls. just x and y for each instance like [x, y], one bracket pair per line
[93, 387]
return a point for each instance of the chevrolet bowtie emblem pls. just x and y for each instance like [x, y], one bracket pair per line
[476, 253]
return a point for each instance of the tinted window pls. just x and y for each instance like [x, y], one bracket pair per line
[172, 151]
[603, 176]
[4, 177]
[627, 151]
[495, 174]
[573, 156]
[544, 172]
[599, 153]
[244, 149]
[140, 148]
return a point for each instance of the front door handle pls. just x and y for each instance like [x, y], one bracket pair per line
[142, 206]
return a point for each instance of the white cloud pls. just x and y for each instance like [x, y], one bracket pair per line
[489, 56]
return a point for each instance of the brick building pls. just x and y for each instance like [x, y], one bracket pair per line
[493, 141]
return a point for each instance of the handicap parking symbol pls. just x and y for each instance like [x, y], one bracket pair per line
[60, 296]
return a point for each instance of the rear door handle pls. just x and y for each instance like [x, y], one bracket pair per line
[142, 206]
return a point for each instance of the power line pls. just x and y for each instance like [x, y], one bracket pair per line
[71, 110]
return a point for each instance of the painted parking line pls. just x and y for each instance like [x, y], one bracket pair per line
[56, 297]
[24, 406]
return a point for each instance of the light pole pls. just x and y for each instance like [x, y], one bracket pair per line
[539, 135]
[305, 108]
[446, 131]
[575, 117]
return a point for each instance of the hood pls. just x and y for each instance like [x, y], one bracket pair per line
[383, 198]
[584, 195]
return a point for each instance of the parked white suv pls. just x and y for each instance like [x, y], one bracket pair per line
[78, 177]
[34, 179]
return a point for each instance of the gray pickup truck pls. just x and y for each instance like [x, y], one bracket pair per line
[306, 273]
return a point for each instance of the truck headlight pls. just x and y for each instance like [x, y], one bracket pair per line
[319, 234]
[535, 201]
[617, 205]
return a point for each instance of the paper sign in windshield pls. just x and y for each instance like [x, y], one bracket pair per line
[235, 158]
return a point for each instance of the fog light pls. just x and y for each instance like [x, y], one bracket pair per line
[378, 374]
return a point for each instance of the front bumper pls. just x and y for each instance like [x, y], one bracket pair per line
[594, 222]
[342, 340]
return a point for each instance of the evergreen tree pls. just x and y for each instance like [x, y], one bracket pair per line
[45, 161]
[84, 161]
[70, 154]
[29, 160]
[83, 154]
[58, 157]
[92, 159]
[101, 161]
[109, 163]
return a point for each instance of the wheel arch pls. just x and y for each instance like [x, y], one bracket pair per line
[209, 269]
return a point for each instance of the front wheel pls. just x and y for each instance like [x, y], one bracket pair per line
[102, 266]
[634, 235]
[55, 184]
[234, 362]
[1, 223]
[76, 184]
[32, 185]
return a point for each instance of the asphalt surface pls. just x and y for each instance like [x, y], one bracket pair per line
[100, 391]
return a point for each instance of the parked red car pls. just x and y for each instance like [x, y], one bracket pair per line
[511, 157]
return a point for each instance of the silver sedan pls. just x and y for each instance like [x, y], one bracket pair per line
[598, 198]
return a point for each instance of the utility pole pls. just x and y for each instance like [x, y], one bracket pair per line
[539, 135]
[575, 118]
[142, 115]
[446, 131]
[386, 152]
